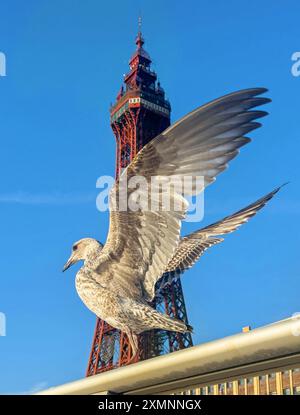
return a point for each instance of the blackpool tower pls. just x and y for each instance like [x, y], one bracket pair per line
[140, 113]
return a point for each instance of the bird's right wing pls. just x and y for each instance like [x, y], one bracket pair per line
[141, 242]
[192, 246]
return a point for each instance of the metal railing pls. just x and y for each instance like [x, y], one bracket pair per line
[262, 361]
[286, 382]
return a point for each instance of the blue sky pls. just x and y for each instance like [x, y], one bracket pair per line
[65, 61]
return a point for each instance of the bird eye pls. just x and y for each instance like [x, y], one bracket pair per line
[75, 247]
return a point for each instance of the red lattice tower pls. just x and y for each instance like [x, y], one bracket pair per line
[140, 113]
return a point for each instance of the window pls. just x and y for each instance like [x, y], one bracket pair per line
[286, 391]
[296, 390]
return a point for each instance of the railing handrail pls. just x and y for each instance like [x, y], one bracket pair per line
[274, 345]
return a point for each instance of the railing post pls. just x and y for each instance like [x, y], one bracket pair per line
[278, 383]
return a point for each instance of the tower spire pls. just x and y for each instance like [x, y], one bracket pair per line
[139, 39]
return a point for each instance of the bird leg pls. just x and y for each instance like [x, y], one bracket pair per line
[133, 341]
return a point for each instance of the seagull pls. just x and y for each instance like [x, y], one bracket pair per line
[119, 279]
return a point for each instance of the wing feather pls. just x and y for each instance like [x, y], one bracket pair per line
[140, 243]
[192, 246]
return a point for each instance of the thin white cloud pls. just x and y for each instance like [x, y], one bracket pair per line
[55, 198]
[37, 387]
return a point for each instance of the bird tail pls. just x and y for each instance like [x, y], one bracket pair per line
[190, 328]
[162, 321]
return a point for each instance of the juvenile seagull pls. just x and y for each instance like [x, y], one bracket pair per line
[118, 280]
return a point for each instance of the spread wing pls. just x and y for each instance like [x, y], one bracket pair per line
[141, 241]
[192, 247]
[189, 250]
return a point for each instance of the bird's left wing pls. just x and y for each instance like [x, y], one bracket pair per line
[189, 250]
[192, 246]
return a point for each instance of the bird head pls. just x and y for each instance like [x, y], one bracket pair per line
[82, 250]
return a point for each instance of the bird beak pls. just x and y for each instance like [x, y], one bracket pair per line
[70, 262]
